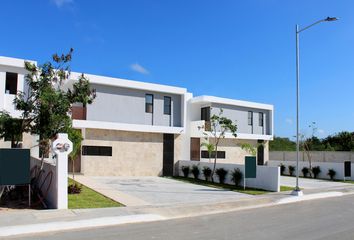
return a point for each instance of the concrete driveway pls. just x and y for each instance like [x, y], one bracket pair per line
[310, 183]
[137, 191]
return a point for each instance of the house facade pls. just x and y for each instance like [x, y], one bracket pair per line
[142, 129]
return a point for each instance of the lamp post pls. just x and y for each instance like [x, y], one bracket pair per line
[297, 191]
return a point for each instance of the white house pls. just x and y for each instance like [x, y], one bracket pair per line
[142, 129]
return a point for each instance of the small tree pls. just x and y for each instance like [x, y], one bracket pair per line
[316, 171]
[45, 107]
[185, 170]
[207, 173]
[236, 176]
[219, 127]
[291, 170]
[221, 172]
[195, 171]
[76, 138]
[305, 171]
[210, 148]
[331, 173]
[10, 129]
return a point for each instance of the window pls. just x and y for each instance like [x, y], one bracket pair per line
[96, 151]
[250, 118]
[205, 114]
[261, 119]
[220, 154]
[11, 83]
[167, 105]
[149, 103]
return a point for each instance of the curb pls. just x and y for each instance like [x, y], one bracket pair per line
[78, 224]
[308, 197]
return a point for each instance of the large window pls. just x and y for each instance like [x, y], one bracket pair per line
[261, 119]
[96, 151]
[220, 154]
[250, 118]
[149, 103]
[167, 105]
[11, 83]
[205, 114]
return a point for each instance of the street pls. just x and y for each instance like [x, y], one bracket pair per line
[319, 219]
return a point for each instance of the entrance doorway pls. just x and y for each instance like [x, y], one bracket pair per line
[168, 154]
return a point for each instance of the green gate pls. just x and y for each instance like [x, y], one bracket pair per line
[14, 166]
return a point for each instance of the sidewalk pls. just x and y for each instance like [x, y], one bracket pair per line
[18, 222]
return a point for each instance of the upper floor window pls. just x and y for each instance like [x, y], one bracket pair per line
[250, 118]
[11, 83]
[205, 114]
[261, 119]
[149, 103]
[167, 105]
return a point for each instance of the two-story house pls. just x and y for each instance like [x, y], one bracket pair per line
[142, 129]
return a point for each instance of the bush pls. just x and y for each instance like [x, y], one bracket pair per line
[74, 188]
[207, 173]
[221, 172]
[236, 176]
[316, 170]
[282, 169]
[305, 171]
[291, 170]
[331, 173]
[185, 170]
[195, 171]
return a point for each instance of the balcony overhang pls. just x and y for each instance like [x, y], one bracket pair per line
[83, 124]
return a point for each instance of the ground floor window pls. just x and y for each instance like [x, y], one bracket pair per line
[96, 150]
[220, 154]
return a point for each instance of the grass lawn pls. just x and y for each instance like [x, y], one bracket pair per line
[251, 191]
[286, 188]
[89, 199]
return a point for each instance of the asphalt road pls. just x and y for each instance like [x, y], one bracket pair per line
[331, 218]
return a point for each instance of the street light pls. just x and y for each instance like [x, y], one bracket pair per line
[297, 191]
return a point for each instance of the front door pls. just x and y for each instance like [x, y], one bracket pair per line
[195, 149]
[260, 153]
[168, 154]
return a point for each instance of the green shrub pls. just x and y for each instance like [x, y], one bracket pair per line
[185, 170]
[291, 170]
[316, 170]
[305, 171]
[236, 176]
[195, 171]
[207, 173]
[331, 173]
[282, 169]
[221, 172]
[74, 188]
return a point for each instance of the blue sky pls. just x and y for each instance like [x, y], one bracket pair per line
[236, 49]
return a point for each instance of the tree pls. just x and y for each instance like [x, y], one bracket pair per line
[342, 141]
[220, 125]
[82, 92]
[76, 138]
[10, 129]
[45, 107]
[282, 144]
[210, 148]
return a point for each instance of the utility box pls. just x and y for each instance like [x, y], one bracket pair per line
[14, 166]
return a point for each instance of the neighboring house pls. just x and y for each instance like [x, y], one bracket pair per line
[142, 129]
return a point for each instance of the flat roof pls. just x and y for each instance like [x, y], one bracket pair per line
[228, 101]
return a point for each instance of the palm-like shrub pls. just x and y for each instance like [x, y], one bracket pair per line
[331, 173]
[207, 173]
[221, 172]
[185, 170]
[236, 176]
[291, 170]
[305, 171]
[282, 169]
[316, 171]
[195, 171]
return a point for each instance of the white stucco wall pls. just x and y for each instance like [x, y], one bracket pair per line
[324, 166]
[268, 177]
